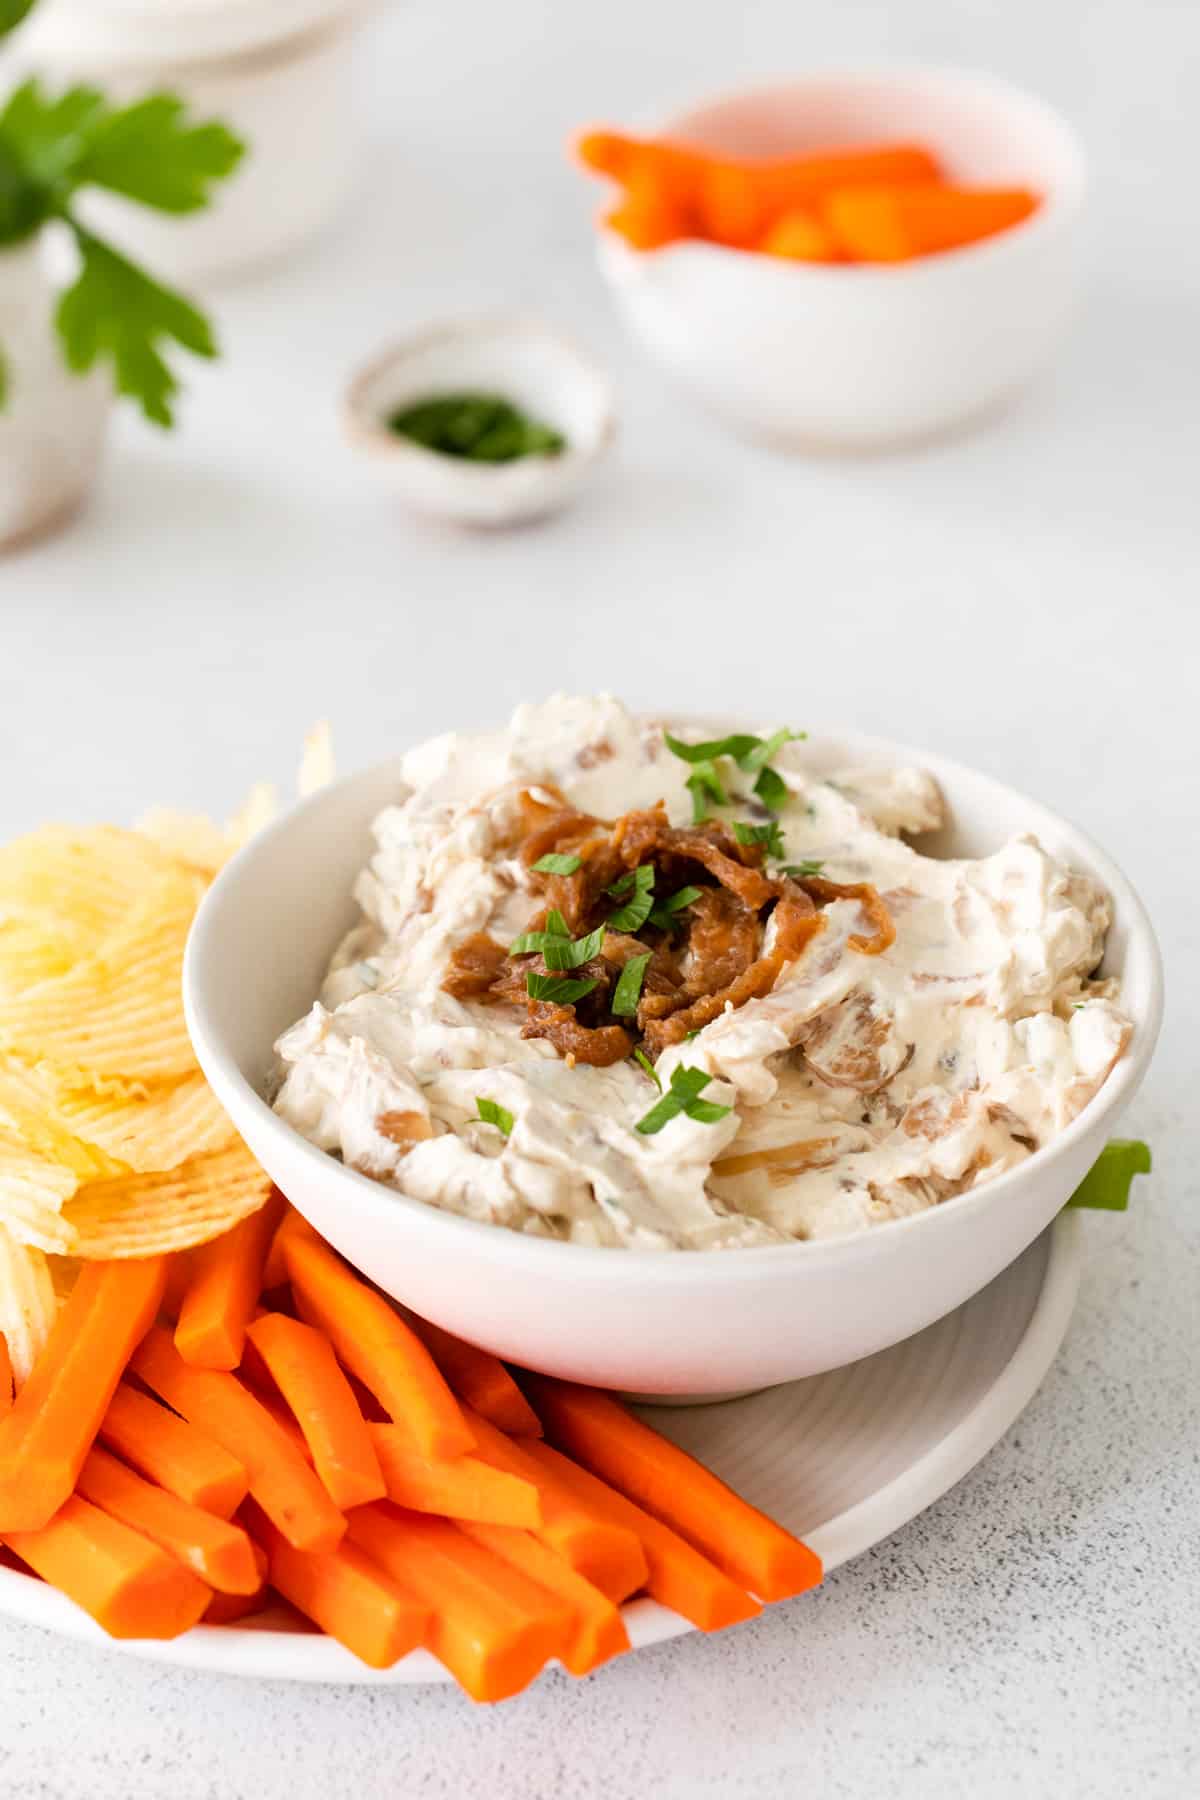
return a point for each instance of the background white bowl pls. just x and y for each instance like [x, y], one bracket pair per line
[652, 1322]
[864, 356]
[508, 354]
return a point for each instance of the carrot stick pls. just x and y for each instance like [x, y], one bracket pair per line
[179, 1274]
[799, 236]
[217, 1551]
[480, 1379]
[349, 1596]
[280, 1479]
[227, 1276]
[607, 1554]
[130, 1586]
[227, 1609]
[489, 1624]
[598, 1432]
[680, 1577]
[598, 1632]
[305, 1370]
[167, 1450]
[275, 1268]
[887, 224]
[465, 1487]
[54, 1419]
[376, 1345]
[6, 1377]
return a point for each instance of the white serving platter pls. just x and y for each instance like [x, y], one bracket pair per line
[843, 1459]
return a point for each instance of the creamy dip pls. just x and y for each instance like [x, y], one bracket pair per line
[860, 1088]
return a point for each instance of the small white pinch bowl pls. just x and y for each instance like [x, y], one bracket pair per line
[652, 1322]
[540, 372]
[866, 356]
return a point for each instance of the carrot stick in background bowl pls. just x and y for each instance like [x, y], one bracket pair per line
[895, 224]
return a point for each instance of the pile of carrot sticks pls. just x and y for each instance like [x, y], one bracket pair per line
[209, 1432]
[880, 203]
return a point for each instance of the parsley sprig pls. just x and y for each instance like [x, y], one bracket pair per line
[639, 885]
[557, 864]
[683, 1096]
[752, 756]
[663, 915]
[769, 836]
[149, 152]
[629, 988]
[492, 1113]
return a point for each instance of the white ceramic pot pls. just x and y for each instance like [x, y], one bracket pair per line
[52, 423]
[278, 72]
[649, 1321]
[866, 356]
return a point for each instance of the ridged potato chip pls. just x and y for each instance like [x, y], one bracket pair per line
[190, 838]
[28, 1304]
[30, 953]
[29, 1107]
[119, 1011]
[33, 1192]
[143, 1215]
[152, 1132]
[89, 877]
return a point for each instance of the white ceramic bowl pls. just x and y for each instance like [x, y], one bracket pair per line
[865, 356]
[651, 1322]
[505, 354]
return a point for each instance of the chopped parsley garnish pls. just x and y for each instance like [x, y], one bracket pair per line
[554, 864]
[689, 1035]
[649, 1067]
[636, 910]
[662, 915]
[683, 1096]
[766, 835]
[801, 869]
[751, 754]
[568, 953]
[704, 784]
[492, 1113]
[557, 947]
[1106, 1184]
[629, 988]
[557, 991]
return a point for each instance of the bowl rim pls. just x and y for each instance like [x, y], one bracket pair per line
[364, 431]
[507, 1248]
[1058, 204]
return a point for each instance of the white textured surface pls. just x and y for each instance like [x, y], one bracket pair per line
[1024, 599]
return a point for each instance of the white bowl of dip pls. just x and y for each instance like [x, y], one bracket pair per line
[686, 1323]
[865, 356]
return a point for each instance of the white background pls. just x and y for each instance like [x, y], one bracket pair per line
[1024, 599]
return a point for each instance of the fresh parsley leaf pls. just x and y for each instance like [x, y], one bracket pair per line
[152, 153]
[683, 1096]
[704, 784]
[662, 915]
[765, 749]
[565, 953]
[557, 991]
[766, 835]
[772, 790]
[530, 942]
[554, 864]
[11, 14]
[706, 1111]
[689, 1035]
[1106, 1184]
[625, 883]
[649, 1067]
[24, 204]
[48, 138]
[801, 869]
[492, 1113]
[629, 988]
[115, 311]
[633, 915]
[737, 745]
